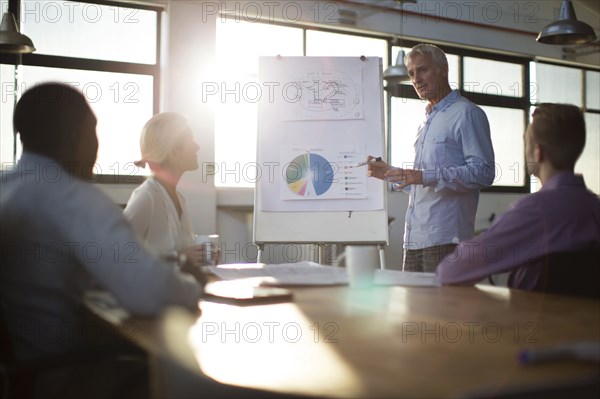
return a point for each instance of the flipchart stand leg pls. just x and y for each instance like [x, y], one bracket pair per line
[320, 253]
[259, 253]
[381, 255]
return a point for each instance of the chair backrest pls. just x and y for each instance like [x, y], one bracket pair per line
[575, 273]
[7, 355]
[7, 359]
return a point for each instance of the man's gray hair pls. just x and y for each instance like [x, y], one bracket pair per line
[436, 53]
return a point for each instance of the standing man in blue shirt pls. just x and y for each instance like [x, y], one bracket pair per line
[454, 159]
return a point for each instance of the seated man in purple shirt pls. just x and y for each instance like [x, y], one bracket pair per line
[563, 216]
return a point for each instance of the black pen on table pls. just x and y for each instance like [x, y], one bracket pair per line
[586, 351]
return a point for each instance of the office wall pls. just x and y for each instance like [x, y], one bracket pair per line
[190, 48]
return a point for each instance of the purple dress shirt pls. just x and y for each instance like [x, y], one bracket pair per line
[562, 216]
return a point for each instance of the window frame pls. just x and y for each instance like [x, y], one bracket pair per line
[583, 69]
[522, 103]
[305, 28]
[481, 99]
[53, 61]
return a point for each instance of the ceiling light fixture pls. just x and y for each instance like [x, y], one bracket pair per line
[567, 30]
[11, 40]
[398, 72]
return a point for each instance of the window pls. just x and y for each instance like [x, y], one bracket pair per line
[122, 103]
[75, 43]
[493, 77]
[7, 103]
[499, 84]
[407, 112]
[565, 84]
[330, 44]
[493, 82]
[506, 128]
[592, 92]
[407, 115]
[558, 84]
[88, 30]
[235, 109]
[589, 162]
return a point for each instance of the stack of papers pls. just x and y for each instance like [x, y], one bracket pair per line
[412, 279]
[310, 273]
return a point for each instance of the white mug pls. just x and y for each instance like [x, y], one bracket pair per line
[210, 247]
[361, 263]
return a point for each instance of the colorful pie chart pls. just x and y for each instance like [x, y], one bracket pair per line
[309, 175]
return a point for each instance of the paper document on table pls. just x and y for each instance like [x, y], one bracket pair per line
[412, 279]
[300, 273]
[310, 273]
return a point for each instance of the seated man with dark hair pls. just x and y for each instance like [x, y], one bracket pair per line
[61, 235]
[562, 217]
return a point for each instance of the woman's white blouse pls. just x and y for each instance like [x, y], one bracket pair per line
[154, 217]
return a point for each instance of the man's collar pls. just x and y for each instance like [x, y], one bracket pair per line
[445, 102]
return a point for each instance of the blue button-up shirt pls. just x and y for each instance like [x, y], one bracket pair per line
[59, 237]
[455, 154]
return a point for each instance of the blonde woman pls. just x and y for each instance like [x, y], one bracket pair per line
[156, 210]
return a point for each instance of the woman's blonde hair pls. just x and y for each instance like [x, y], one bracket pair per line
[160, 136]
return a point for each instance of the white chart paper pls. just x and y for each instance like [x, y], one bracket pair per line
[323, 95]
[315, 108]
[310, 273]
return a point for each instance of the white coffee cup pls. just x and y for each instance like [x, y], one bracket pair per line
[361, 263]
[210, 247]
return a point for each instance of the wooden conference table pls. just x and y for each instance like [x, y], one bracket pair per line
[381, 342]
